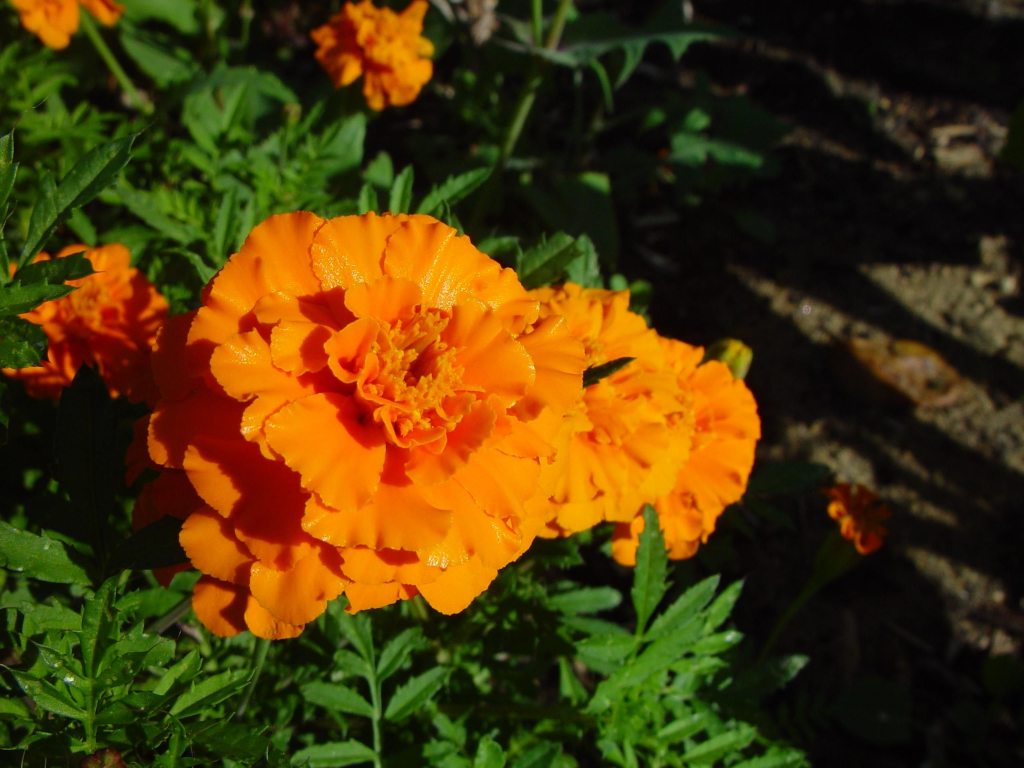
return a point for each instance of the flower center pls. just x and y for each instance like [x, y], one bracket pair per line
[90, 305]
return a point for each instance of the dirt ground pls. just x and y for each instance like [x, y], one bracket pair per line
[894, 220]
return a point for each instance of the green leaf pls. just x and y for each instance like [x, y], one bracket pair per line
[453, 190]
[43, 618]
[397, 651]
[95, 171]
[712, 645]
[585, 270]
[775, 758]
[8, 171]
[595, 373]
[40, 557]
[415, 693]
[586, 600]
[357, 631]
[342, 150]
[400, 198]
[96, 626]
[164, 63]
[336, 697]
[222, 228]
[381, 171]
[47, 697]
[21, 343]
[685, 609]
[55, 271]
[83, 227]
[88, 467]
[721, 609]
[547, 261]
[203, 270]
[16, 707]
[334, 754]
[210, 692]
[489, 754]
[184, 670]
[719, 746]
[685, 727]
[540, 755]
[18, 299]
[605, 648]
[234, 741]
[367, 200]
[649, 580]
[765, 678]
[180, 14]
[352, 663]
[155, 546]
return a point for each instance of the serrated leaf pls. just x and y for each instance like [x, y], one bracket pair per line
[397, 651]
[184, 670]
[538, 756]
[222, 228]
[724, 744]
[15, 707]
[400, 197]
[455, 189]
[415, 693]
[721, 608]
[155, 546]
[203, 270]
[606, 647]
[595, 373]
[210, 692]
[489, 754]
[39, 557]
[352, 663]
[95, 171]
[712, 645]
[55, 271]
[649, 579]
[367, 200]
[547, 261]
[336, 697]
[380, 172]
[22, 343]
[685, 727]
[234, 741]
[44, 618]
[333, 754]
[19, 299]
[685, 609]
[586, 600]
[8, 170]
[96, 625]
[357, 631]
[343, 146]
[775, 758]
[48, 697]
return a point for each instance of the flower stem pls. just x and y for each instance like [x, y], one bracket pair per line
[527, 96]
[536, 16]
[375, 697]
[112, 64]
[262, 647]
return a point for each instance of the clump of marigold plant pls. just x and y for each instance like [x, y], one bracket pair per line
[110, 322]
[861, 515]
[386, 48]
[55, 21]
[725, 432]
[629, 432]
[365, 405]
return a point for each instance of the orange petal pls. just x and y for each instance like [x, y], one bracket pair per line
[262, 498]
[446, 266]
[137, 458]
[348, 249]
[347, 349]
[344, 464]
[494, 362]
[171, 494]
[559, 361]
[175, 424]
[210, 543]
[298, 347]
[458, 586]
[427, 468]
[299, 595]
[473, 532]
[220, 606]
[263, 624]
[499, 483]
[168, 358]
[386, 299]
[363, 597]
[625, 540]
[242, 365]
[285, 307]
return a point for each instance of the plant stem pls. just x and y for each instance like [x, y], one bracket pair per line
[527, 96]
[169, 618]
[262, 647]
[112, 64]
[375, 696]
[536, 15]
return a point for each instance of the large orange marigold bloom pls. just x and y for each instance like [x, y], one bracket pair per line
[386, 48]
[363, 405]
[860, 514]
[55, 21]
[631, 430]
[715, 473]
[110, 323]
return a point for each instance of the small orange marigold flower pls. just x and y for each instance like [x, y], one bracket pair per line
[631, 430]
[860, 514]
[365, 405]
[110, 323]
[721, 456]
[386, 48]
[55, 21]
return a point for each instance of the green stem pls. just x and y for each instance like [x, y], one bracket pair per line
[262, 647]
[375, 700]
[527, 96]
[109, 59]
[164, 622]
[536, 15]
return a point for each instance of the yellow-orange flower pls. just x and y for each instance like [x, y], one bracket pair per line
[631, 430]
[55, 21]
[110, 323]
[725, 434]
[386, 48]
[363, 405]
[860, 515]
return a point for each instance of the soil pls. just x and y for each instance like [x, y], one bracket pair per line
[895, 220]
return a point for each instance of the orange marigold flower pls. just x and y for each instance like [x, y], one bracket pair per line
[385, 47]
[631, 430]
[860, 514]
[110, 323]
[725, 433]
[363, 405]
[55, 21]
